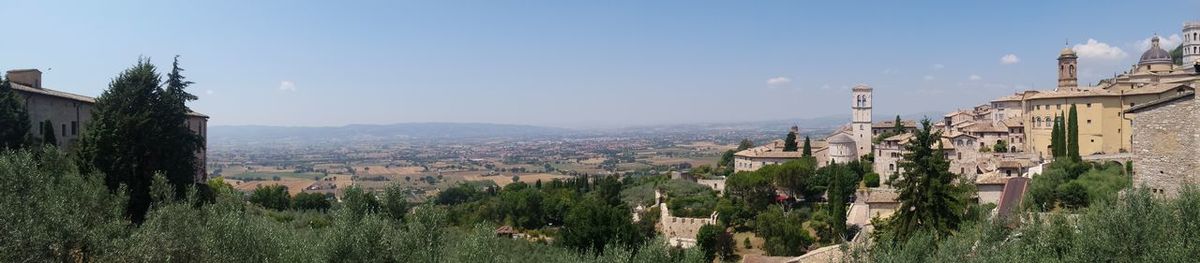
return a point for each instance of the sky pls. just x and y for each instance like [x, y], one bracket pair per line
[580, 64]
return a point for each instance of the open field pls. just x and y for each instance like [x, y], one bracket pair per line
[506, 179]
[294, 186]
[385, 170]
[271, 175]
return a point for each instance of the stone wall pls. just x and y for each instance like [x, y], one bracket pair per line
[1164, 146]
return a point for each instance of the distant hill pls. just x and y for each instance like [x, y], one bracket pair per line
[826, 123]
[367, 132]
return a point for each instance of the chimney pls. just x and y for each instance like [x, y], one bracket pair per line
[27, 77]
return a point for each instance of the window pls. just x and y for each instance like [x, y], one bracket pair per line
[74, 128]
[1089, 121]
[1089, 105]
[64, 130]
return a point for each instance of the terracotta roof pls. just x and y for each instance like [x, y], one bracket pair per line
[1014, 164]
[985, 126]
[1014, 122]
[891, 124]
[1158, 88]
[71, 96]
[1154, 103]
[1012, 196]
[902, 138]
[882, 196]
[989, 178]
[1013, 97]
[53, 93]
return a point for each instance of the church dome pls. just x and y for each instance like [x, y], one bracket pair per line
[840, 139]
[1066, 51]
[1156, 54]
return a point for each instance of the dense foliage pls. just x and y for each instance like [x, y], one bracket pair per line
[1067, 184]
[1136, 228]
[930, 201]
[789, 142]
[55, 213]
[14, 120]
[138, 129]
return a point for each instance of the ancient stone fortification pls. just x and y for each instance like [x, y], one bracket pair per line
[1164, 144]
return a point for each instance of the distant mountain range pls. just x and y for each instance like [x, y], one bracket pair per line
[361, 132]
[433, 130]
[811, 124]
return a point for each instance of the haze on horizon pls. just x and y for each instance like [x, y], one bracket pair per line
[598, 64]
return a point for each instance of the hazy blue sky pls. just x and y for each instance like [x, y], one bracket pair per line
[578, 63]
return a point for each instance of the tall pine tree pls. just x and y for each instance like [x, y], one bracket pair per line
[807, 148]
[789, 143]
[1072, 135]
[14, 119]
[929, 198]
[139, 129]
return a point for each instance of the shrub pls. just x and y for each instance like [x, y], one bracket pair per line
[311, 201]
[271, 196]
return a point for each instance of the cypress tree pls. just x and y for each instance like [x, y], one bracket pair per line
[1072, 135]
[48, 136]
[899, 128]
[1056, 140]
[14, 120]
[807, 148]
[929, 198]
[138, 130]
[789, 143]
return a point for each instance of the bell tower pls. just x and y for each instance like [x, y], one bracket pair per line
[861, 122]
[1067, 68]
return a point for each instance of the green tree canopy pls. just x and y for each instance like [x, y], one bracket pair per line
[745, 144]
[789, 143]
[138, 129]
[14, 120]
[1072, 136]
[807, 148]
[929, 200]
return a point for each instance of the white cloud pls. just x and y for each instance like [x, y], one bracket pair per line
[209, 92]
[1009, 59]
[778, 82]
[1168, 43]
[287, 85]
[1099, 50]
[938, 66]
[974, 77]
[928, 77]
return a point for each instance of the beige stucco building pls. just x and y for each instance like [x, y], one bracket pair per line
[1103, 126]
[71, 113]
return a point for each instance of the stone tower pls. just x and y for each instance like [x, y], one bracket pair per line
[1067, 63]
[860, 125]
[1191, 43]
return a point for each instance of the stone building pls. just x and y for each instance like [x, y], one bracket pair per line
[1165, 143]
[852, 140]
[1103, 127]
[1191, 43]
[71, 113]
